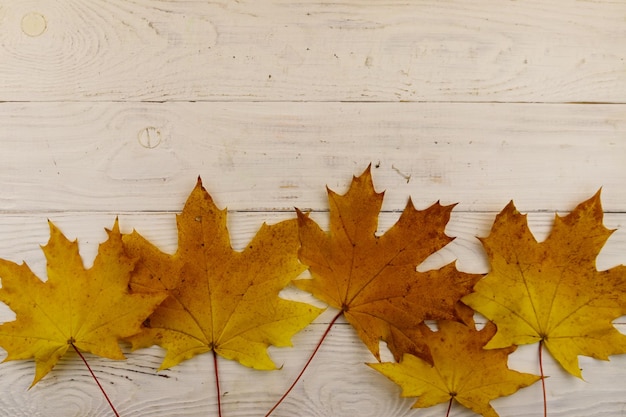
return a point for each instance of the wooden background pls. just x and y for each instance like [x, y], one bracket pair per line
[114, 107]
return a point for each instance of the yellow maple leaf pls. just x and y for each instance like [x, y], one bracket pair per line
[219, 299]
[551, 291]
[462, 370]
[91, 309]
[373, 279]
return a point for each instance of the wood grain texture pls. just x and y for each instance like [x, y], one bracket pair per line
[22, 235]
[452, 50]
[276, 156]
[337, 384]
[114, 107]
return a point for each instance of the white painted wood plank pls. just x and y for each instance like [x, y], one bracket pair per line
[81, 164]
[452, 50]
[22, 235]
[274, 156]
[337, 384]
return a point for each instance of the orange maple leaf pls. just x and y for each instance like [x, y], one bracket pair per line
[373, 279]
[551, 291]
[462, 370]
[91, 309]
[219, 299]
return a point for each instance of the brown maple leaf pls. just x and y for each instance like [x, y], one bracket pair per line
[551, 291]
[90, 309]
[373, 279]
[461, 370]
[219, 299]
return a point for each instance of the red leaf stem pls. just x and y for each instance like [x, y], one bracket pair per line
[96, 379]
[306, 365]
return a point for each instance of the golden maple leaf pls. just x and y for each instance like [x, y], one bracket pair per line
[91, 309]
[219, 299]
[462, 370]
[373, 279]
[551, 291]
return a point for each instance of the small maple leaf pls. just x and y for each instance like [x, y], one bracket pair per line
[91, 309]
[373, 279]
[551, 291]
[219, 299]
[462, 370]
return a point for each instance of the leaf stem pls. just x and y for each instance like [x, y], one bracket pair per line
[96, 379]
[543, 379]
[217, 385]
[306, 365]
[449, 406]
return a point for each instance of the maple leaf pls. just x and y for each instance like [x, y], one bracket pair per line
[219, 299]
[373, 279]
[462, 370]
[551, 291]
[90, 309]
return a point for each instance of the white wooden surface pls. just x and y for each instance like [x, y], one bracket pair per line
[114, 107]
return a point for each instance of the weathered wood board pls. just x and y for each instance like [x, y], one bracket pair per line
[114, 107]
